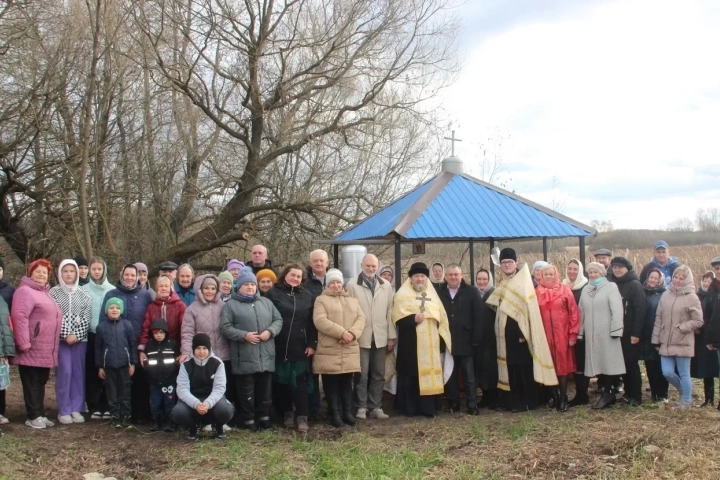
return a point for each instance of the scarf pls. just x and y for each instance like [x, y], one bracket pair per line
[516, 299]
[580, 281]
[407, 301]
[246, 298]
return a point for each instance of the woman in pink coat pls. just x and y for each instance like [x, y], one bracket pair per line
[37, 320]
[561, 320]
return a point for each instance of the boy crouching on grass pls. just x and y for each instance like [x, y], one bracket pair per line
[161, 367]
[201, 391]
[115, 358]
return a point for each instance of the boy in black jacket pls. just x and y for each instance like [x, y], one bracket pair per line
[115, 357]
[162, 370]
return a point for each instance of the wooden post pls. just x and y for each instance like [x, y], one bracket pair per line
[472, 262]
[545, 249]
[336, 255]
[582, 251]
[491, 265]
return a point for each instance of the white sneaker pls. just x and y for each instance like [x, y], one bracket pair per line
[37, 423]
[3, 420]
[361, 413]
[379, 414]
[96, 416]
[207, 428]
[64, 419]
[227, 428]
[107, 416]
[77, 417]
[48, 423]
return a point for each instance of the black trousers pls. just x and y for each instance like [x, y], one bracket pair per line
[632, 376]
[230, 391]
[33, 381]
[118, 391]
[3, 405]
[188, 418]
[335, 386]
[658, 383]
[140, 395]
[286, 398]
[465, 367]
[254, 393]
[94, 389]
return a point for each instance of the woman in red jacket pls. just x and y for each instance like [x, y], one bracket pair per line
[562, 323]
[167, 305]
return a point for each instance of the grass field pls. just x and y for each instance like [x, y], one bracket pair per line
[650, 442]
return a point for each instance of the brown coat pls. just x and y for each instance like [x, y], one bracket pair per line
[334, 314]
[678, 317]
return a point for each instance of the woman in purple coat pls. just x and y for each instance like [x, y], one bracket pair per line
[37, 320]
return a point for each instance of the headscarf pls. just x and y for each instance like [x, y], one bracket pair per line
[491, 281]
[536, 265]
[432, 275]
[688, 285]
[547, 291]
[662, 280]
[580, 281]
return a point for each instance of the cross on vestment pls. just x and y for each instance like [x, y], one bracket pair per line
[452, 142]
[423, 298]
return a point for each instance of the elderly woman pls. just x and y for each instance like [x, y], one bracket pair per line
[678, 318]
[251, 322]
[705, 362]
[266, 279]
[37, 322]
[560, 319]
[166, 305]
[601, 326]
[225, 287]
[575, 280]
[536, 272]
[339, 322]
[486, 367]
[294, 345]
[654, 290]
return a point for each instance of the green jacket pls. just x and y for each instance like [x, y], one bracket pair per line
[7, 340]
[240, 317]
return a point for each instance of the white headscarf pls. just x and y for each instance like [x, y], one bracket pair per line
[68, 288]
[580, 281]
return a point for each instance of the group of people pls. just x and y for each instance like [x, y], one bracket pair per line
[221, 351]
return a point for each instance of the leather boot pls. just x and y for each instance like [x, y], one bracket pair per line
[335, 409]
[563, 406]
[605, 400]
[155, 424]
[709, 393]
[346, 396]
[581, 394]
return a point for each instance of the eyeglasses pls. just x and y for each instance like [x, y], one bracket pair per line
[507, 262]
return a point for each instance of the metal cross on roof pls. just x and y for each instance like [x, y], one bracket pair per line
[452, 141]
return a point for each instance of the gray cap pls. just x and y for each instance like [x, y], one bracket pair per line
[604, 251]
[168, 265]
[715, 261]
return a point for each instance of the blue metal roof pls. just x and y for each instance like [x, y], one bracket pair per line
[457, 206]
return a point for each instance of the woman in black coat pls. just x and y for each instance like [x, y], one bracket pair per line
[486, 366]
[705, 363]
[294, 345]
[654, 288]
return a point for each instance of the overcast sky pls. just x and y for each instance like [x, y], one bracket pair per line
[619, 101]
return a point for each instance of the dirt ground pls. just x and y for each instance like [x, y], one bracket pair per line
[649, 442]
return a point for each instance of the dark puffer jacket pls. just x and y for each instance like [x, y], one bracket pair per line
[711, 315]
[634, 306]
[295, 305]
[115, 344]
[136, 301]
[161, 364]
[652, 296]
[6, 292]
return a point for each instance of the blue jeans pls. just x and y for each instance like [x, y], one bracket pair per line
[680, 380]
[162, 399]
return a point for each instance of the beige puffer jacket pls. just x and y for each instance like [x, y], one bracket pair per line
[678, 317]
[334, 314]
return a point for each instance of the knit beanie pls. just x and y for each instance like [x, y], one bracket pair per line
[332, 275]
[201, 340]
[226, 276]
[209, 281]
[597, 266]
[141, 267]
[266, 273]
[117, 302]
[235, 263]
[81, 261]
[246, 275]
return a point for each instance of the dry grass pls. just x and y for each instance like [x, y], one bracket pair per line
[538, 445]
